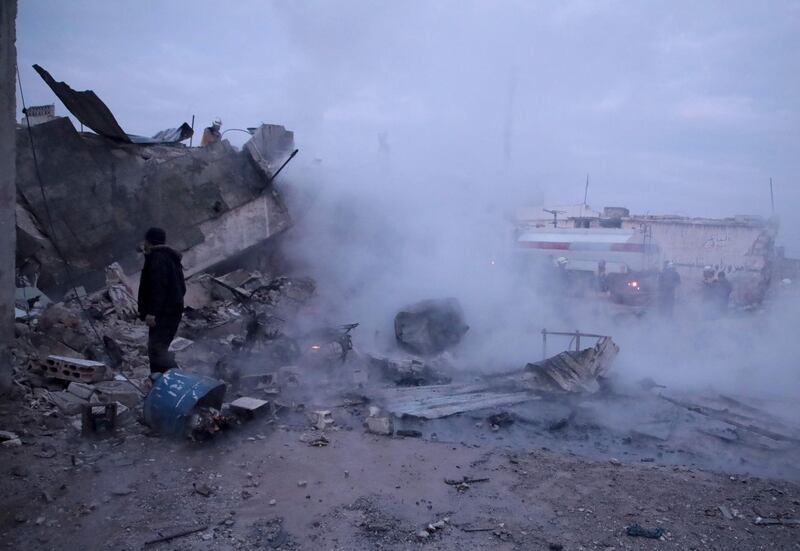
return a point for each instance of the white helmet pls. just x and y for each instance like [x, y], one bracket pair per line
[217, 122]
[562, 261]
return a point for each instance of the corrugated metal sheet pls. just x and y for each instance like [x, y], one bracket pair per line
[170, 135]
[87, 108]
[571, 371]
[436, 401]
[94, 114]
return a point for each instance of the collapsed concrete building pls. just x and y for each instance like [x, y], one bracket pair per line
[85, 199]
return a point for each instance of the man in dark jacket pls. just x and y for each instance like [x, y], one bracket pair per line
[722, 289]
[161, 290]
[668, 282]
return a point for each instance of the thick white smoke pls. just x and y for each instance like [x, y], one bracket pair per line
[378, 234]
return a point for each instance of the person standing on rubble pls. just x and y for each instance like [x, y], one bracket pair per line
[211, 134]
[161, 291]
[668, 282]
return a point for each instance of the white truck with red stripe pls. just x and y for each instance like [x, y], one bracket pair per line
[631, 259]
[624, 250]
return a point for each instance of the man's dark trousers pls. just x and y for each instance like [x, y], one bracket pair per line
[158, 340]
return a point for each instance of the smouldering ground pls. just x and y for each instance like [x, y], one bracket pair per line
[363, 491]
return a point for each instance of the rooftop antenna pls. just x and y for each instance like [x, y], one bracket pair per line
[508, 127]
[585, 194]
[192, 136]
[771, 196]
[555, 214]
[586, 189]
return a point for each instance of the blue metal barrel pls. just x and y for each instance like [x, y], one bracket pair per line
[174, 396]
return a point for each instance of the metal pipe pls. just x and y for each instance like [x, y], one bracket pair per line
[236, 130]
[544, 344]
[771, 196]
[286, 162]
[572, 334]
[192, 136]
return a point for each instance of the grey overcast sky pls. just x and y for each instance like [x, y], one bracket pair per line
[675, 106]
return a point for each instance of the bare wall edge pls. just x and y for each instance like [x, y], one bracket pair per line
[8, 67]
[102, 195]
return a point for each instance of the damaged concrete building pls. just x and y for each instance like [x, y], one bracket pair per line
[743, 246]
[85, 198]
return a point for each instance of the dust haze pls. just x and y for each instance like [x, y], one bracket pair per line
[414, 189]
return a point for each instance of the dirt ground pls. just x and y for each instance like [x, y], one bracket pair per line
[260, 487]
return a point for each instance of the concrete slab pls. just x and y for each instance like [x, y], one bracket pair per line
[68, 402]
[117, 391]
[81, 390]
[249, 407]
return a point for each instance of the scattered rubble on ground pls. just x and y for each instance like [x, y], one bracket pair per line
[412, 371]
[637, 531]
[575, 372]
[75, 355]
[379, 424]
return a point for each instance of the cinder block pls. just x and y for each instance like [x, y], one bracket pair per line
[98, 420]
[380, 425]
[249, 407]
[71, 369]
[321, 419]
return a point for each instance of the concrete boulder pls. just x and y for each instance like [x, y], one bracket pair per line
[430, 327]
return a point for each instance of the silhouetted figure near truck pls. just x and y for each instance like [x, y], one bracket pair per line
[601, 281]
[668, 282]
[161, 290]
[722, 292]
[708, 289]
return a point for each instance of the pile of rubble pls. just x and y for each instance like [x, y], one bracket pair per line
[90, 350]
[85, 358]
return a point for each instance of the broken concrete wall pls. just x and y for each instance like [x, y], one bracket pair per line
[102, 196]
[8, 66]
